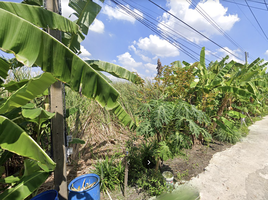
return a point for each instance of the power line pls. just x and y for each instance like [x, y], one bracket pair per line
[256, 19]
[171, 31]
[151, 26]
[257, 2]
[244, 5]
[266, 4]
[214, 24]
[194, 29]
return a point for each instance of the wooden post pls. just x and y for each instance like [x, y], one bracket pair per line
[57, 123]
[126, 175]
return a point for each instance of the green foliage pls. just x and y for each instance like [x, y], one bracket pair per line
[140, 172]
[181, 175]
[175, 80]
[172, 123]
[152, 182]
[111, 173]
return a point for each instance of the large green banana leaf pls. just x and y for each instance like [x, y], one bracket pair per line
[222, 72]
[4, 67]
[27, 92]
[123, 116]
[13, 85]
[25, 187]
[40, 16]
[52, 56]
[33, 2]
[10, 179]
[114, 70]
[86, 11]
[203, 61]
[30, 167]
[236, 91]
[36, 115]
[11, 138]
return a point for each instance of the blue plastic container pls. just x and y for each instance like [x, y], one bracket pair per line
[92, 193]
[47, 195]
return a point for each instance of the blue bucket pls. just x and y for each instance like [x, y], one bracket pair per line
[92, 193]
[47, 195]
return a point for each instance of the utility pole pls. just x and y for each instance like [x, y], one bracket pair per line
[57, 123]
[246, 57]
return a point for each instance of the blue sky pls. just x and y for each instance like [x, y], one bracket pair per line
[119, 38]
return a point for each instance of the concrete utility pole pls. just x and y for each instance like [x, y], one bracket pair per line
[246, 57]
[57, 123]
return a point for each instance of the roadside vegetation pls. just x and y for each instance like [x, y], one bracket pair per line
[147, 122]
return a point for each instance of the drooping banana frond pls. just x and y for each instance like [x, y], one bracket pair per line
[114, 70]
[32, 45]
[86, 11]
[40, 16]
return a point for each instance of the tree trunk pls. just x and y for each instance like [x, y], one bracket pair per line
[220, 111]
[158, 159]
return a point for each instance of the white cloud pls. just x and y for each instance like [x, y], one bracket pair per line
[236, 52]
[157, 46]
[150, 66]
[266, 53]
[84, 53]
[137, 52]
[66, 10]
[145, 58]
[128, 62]
[182, 10]
[147, 71]
[97, 26]
[119, 14]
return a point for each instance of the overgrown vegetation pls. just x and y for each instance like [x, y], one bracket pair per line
[185, 105]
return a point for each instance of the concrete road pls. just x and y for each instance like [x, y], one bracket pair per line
[240, 172]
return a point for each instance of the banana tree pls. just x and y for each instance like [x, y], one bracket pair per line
[222, 83]
[22, 33]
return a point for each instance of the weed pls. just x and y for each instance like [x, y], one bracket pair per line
[183, 174]
[111, 173]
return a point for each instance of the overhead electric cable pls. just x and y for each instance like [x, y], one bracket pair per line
[244, 5]
[195, 29]
[148, 24]
[213, 23]
[257, 2]
[266, 4]
[256, 19]
[171, 31]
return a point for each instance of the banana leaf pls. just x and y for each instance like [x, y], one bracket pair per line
[13, 85]
[40, 16]
[235, 114]
[4, 67]
[28, 92]
[114, 70]
[30, 167]
[36, 115]
[33, 2]
[63, 64]
[220, 76]
[10, 179]
[26, 186]
[236, 91]
[12, 142]
[86, 11]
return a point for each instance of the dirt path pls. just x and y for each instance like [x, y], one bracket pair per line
[240, 172]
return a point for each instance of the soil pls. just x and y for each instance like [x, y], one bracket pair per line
[191, 163]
